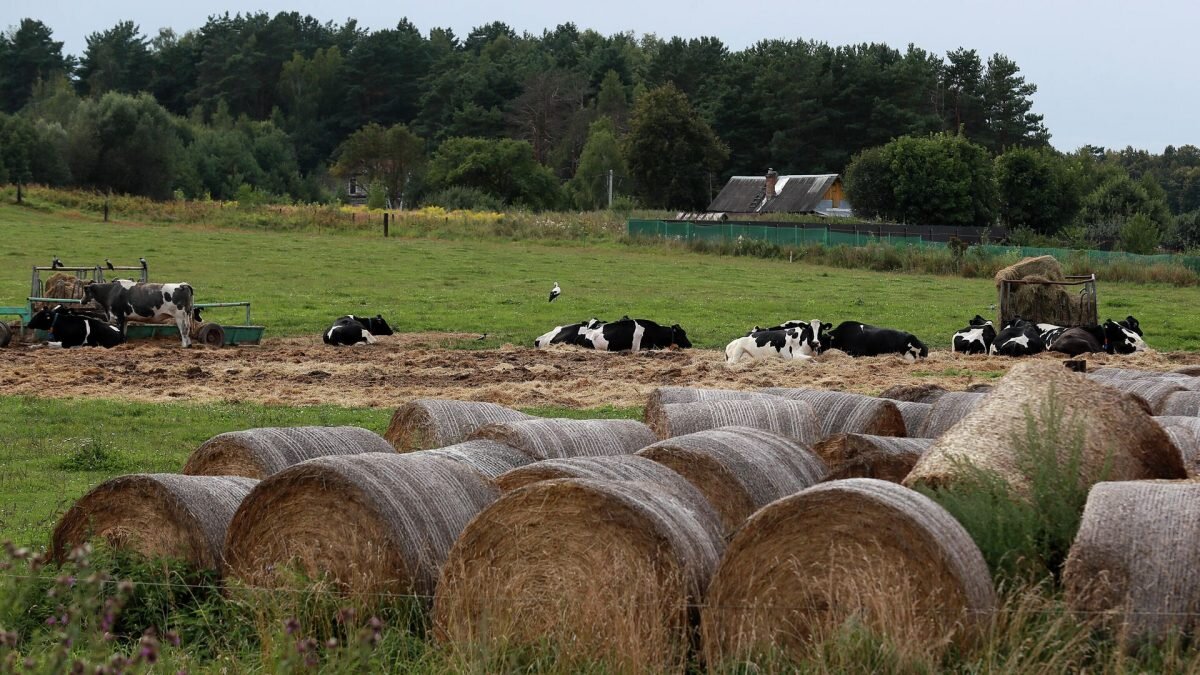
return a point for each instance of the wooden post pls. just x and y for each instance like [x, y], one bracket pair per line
[385, 224]
[20, 198]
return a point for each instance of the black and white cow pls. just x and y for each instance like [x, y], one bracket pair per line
[633, 335]
[1050, 332]
[1018, 337]
[351, 329]
[68, 329]
[976, 338]
[794, 323]
[1079, 340]
[568, 334]
[1124, 337]
[860, 339]
[123, 300]
[787, 344]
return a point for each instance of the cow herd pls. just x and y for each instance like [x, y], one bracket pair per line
[1019, 337]
[118, 301]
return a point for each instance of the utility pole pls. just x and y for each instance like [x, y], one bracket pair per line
[610, 181]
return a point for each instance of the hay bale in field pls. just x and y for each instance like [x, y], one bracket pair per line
[1135, 562]
[158, 515]
[539, 568]
[913, 393]
[375, 522]
[915, 415]
[1118, 440]
[258, 453]
[885, 555]
[617, 467]
[1043, 266]
[487, 457]
[556, 438]
[1187, 442]
[1153, 391]
[841, 412]
[666, 395]
[1190, 371]
[863, 456]
[1111, 373]
[1182, 404]
[428, 423]
[739, 469]
[794, 419]
[948, 410]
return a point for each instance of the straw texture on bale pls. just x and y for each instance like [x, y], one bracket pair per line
[862, 456]
[915, 415]
[258, 453]
[541, 566]
[739, 469]
[1043, 266]
[1112, 373]
[557, 438]
[62, 286]
[1182, 404]
[487, 457]
[665, 395]
[371, 522]
[1119, 440]
[794, 419]
[1042, 302]
[158, 515]
[861, 548]
[1135, 559]
[428, 423]
[1153, 391]
[1185, 436]
[617, 467]
[913, 393]
[1190, 371]
[947, 411]
[841, 412]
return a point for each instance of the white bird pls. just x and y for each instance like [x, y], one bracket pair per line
[555, 292]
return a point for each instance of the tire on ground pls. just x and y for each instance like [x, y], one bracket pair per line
[5, 334]
[211, 334]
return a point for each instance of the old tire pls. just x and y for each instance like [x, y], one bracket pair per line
[211, 335]
[5, 334]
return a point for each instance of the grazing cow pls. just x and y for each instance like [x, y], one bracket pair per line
[350, 329]
[860, 339]
[1124, 337]
[787, 344]
[1081, 340]
[568, 334]
[150, 302]
[68, 329]
[1018, 338]
[976, 338]
[633, 335]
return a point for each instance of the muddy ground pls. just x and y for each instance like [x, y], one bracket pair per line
[303, 371]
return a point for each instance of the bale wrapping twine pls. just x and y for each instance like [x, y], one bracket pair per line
[1154, 392]
[794, 419]
[840, 412]
[863, 456]
[916, 416]
[258, 453]
[948, 410]
[556, 438]
[913, 393]
[616, 467]
[869, 549]
[428, 423]
[1185, 436]
[665, 395]
[487, 457]
[1181, 404]
[158, 515]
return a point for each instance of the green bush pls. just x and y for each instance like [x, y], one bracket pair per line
[463, 198]
[1139, 235]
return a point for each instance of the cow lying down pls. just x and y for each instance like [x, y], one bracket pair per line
[351, 329]
[860, 339]
[69, 329]
[1021, 338]
[793, 340]
[626, 335]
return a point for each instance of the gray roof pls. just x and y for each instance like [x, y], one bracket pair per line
[794, 194]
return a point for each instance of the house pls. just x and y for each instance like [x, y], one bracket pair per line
[356, 192]
[820, 193]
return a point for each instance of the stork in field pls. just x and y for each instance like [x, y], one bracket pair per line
[555, 292]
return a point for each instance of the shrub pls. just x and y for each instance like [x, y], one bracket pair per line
[1139, 235]
[463, 198]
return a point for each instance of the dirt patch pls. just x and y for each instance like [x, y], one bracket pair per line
[303, 371]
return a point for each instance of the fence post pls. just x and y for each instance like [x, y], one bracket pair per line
[385, 224]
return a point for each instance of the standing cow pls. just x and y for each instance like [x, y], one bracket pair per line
[123, 300]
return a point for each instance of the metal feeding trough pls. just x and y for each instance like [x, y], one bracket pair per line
[1072, 303]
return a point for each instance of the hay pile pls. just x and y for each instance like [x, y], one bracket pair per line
[1039, 301]
[556, 438]
[158, 515]
[1154, 392]
[63, 286]
[428, 423]
[1043, 266]
[863, 456]
[258, 453]
[794, 419]
[665, 395]
[839, 412]
[947, 411]
[739, 469]
[1120, 441]
[869, 549]
[916, 416]
[616, 467]
[914, 393]
[1135, 559]
[372, 522]
[487, 457]
[541, 567]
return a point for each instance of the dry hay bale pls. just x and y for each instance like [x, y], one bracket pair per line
[487, 457]
[1190, 371]
[863, 456]
[978, 388]
[916, 415]
[617, 467]
[1182, 404]
[555, 438]
[1188, 422]
[856, 549]
[63, 286]
[841, 412]
[1110, 373]
[1187, 442]
[739, 469]
[948, 410]
[914, 393]
[1043, 266]
[794, 419]
[664, 395]
[1135, 562]
[376, 522]
[1117, 438]
[258, 453]
[157, 515]
[542, 567]
[1153, 391]
[428, 423]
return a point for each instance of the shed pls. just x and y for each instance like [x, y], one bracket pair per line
[772, 193]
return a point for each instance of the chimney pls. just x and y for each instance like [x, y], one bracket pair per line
[772, 176]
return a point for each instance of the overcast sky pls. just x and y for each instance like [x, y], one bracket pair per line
[1108, 73]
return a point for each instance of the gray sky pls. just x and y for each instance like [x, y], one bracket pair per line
[1108, 73]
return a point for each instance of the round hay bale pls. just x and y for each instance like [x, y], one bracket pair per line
[1045, 267]
[1187, 442]
[1186, 421]
[1153, 391]
[863, 456]
[1110, 373]
[487, 457]
[1181, 404]
[556, 438]
[665, 395]
[915, 417]
[617, 467]
[375, 522]
[1135, 562]
[914, 393]
[157, 515]
[948, 410]
[978, 388]
[428, 423]
[1119, 440]
[258, 453]
[841, 412]
[739, 469]
[1190, 371]
[794, 419]
[541, 567]
[858, 549]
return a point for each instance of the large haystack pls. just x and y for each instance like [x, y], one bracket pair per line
[914, 393]
[427, 423]
[258, 453]
[739, 469]
[158, 515]
[862, 456]
[61, 286]
[840, 412]
[666, 395]
[1135, 562]
[1155, 392]
[1043, 266]
[487, 457]
[859, 548]
[1182, 404]
[372, 522]
[947, 411]
[555, 438]
[616, 467]
[598, 571]
[1119, 440]
[794, 419]
[1040, 301]
[916, 416]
